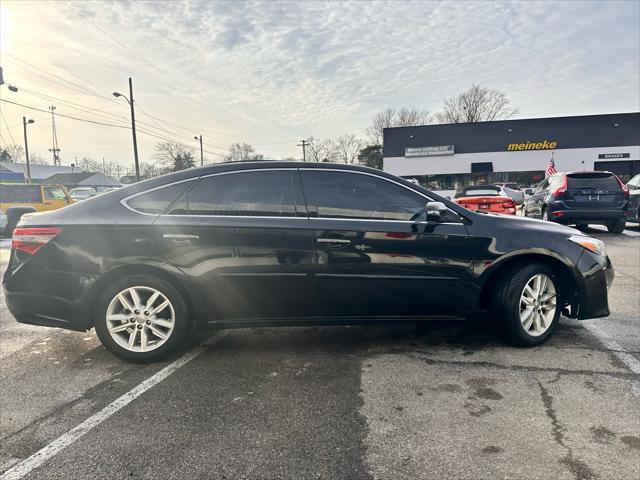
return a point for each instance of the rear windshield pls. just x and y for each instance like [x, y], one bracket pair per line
[478, 192]
[592, 181]
[20, 194]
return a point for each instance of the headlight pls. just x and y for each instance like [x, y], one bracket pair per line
[592, 244]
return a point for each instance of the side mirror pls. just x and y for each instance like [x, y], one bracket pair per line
[435, 211]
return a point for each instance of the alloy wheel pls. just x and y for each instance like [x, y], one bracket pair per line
[538, 305]
[140, 319]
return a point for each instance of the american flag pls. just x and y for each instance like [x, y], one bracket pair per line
[551, 168]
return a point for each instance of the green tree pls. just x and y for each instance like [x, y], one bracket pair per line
[371, 156]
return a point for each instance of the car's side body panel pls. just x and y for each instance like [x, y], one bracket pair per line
[238, 270]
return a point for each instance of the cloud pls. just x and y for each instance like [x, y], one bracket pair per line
[269, 72]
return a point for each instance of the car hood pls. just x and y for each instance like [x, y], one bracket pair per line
[526, 223]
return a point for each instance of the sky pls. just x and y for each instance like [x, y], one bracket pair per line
[273, 73]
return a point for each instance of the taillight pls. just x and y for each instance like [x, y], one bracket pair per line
[559, 192]
[625, 189]
[509, 204]
[30, 240]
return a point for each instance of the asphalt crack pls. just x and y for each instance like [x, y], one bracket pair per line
[520, 368]
[579, 469]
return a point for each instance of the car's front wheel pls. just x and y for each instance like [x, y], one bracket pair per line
[526, 305]
[141, 318]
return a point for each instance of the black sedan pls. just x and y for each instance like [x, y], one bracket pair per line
[286, 243]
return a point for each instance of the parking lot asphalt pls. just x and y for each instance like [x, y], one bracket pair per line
[437, 400]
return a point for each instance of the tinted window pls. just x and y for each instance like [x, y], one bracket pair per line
[252, 193]
[595, 181]
[54, 193]
[352, 195]
[20, 194]
[157, 201]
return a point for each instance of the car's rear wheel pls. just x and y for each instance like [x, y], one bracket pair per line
[616, 226]
[527, 305]
[141, 318]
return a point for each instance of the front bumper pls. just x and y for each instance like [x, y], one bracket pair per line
[592, 297]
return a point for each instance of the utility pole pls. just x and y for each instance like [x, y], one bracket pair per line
[201, 154]
[54, 141]
[26, 145]
[304, 146]
[133, 126]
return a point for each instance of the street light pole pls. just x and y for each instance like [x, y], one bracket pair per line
[201, 152]
[26, 145]
[133, 126]
[133, 129]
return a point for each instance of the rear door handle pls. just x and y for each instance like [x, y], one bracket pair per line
[178, 237]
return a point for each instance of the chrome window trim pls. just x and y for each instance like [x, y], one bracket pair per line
[124, 201]
[381, 178]
[195, 179]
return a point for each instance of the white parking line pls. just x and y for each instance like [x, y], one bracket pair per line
[629, 233]
[34, 461]
[618, 350]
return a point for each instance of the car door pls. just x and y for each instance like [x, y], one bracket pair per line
[535, 202]
[243, 239]
[54, 197]
[373, 257]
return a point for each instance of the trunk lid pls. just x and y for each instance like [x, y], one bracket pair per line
[593, 190]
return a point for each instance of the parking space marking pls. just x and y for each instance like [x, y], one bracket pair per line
[602, 228]
[41, 456]
[618, 350]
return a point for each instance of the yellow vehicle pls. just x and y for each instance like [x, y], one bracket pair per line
[16, 199]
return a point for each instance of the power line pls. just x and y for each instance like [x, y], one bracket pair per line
[8, 129]
[166, 75]
[66, 116]
[109, 116]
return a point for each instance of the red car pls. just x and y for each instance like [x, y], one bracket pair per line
[485, 198]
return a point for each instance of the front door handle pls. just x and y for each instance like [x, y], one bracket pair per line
[334, 242]
[178, 237]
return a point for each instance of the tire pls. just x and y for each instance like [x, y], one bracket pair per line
[508, 309]
[616, 226]
[172, 320]
[545, 215]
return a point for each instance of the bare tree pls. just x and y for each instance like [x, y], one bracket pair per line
[477, 104]
[321, 150]
[37, 159]
[174, 156]
[88, 164]
[239, 152]
[14, 152]
[347, 148]
[391, 117]
[148, 170]
[383, 119]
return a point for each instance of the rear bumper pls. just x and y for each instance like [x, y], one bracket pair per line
[561, 215]
[38, 296]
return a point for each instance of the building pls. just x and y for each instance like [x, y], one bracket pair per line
[448, 156]
[38, 172]
[98, 181]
